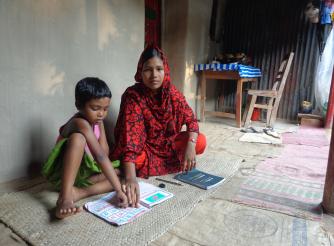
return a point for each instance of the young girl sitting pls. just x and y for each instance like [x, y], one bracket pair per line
[79, 166]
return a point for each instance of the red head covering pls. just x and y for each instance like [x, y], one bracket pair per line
[160, 108]
[141, 62]
[150, 124]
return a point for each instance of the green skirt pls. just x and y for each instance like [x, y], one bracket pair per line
[52, 169]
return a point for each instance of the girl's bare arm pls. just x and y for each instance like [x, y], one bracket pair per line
[103, 139]
[98, 152]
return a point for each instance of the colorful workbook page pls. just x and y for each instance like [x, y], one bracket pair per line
[106, 209]
[200, 179]
[151, 195]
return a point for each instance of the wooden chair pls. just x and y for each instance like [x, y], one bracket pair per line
[273, 96]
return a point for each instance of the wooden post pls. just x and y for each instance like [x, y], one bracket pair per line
[328, 198]
[330, 105]
[238, 101]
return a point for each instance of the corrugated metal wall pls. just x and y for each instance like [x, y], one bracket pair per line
[267, 31]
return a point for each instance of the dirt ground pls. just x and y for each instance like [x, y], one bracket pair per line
[217, 220]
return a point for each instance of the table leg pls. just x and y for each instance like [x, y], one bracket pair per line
[238, 100]
[221, 98]
[203, 96]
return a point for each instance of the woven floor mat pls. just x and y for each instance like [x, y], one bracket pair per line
[292, 183]
[28, 213]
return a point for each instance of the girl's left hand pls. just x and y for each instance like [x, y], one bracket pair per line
[189, 161]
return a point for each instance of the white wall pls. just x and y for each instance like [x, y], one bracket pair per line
[46, 47]
[185, 40]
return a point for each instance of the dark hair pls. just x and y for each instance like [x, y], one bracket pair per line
[149, 53]
[90, 88]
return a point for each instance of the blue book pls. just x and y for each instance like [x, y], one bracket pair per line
[200, 179]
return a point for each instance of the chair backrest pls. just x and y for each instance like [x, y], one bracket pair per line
[282, 76]
[279, 75]
[279, 87]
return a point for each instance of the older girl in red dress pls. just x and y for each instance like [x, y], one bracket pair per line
[149, 141]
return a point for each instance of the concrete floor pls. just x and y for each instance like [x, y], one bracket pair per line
[217, 220]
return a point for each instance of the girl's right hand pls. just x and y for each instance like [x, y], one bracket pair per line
[132, 192]
[122, 199]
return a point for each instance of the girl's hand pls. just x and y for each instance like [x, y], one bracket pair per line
[132, 192]
[189, 161]
[121, 199]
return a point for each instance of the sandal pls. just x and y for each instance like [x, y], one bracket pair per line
[250, 130]
[271, 132]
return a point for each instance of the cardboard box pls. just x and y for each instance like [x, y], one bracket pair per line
[311, 120]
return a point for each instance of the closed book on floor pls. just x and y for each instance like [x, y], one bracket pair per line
[200, 179]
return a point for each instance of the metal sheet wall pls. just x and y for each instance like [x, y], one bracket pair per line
[267, 31]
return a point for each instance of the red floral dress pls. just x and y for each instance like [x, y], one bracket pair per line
[150, 124]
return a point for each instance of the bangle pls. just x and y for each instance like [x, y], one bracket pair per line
[193, 140]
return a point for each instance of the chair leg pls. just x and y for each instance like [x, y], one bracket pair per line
[272, 119]
[250, 111]
[246, 108]
[269, 112]
[268, 117]
[273, 114]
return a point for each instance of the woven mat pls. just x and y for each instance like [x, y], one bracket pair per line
[228, 223]
[28, 213]
[292, 184]
[307, 136]
[282, 194]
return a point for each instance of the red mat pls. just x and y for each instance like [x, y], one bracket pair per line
[307, 136]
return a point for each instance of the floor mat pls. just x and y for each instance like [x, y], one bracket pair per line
[28, 213]
[228, 223]
[293, 183]
[307, 136]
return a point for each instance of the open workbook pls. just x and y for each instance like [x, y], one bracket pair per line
[106, 209]
[200, 179]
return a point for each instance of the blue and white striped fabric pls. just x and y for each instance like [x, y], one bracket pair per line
[244, 71]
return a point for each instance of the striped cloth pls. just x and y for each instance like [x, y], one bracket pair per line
[244, 71]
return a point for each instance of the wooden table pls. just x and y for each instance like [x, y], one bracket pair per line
[223, 75]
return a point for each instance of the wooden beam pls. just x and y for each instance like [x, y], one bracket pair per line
[263, 93]
[328, 198]
[220, 114]
[238, 99]
[263, 106]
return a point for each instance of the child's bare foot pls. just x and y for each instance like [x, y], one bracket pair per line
[66, 208]
[65, 205]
